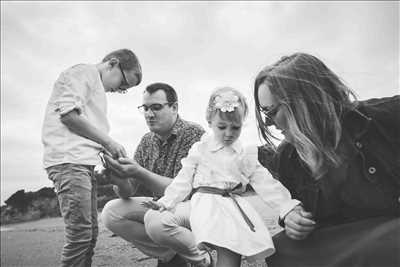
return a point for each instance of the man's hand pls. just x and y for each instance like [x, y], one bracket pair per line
[123, 167]
[114, 179]
[151, 204]
[299, 223]
[115, 149]
[123, 187]
[111, 177]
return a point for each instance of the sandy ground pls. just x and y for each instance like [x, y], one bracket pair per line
[39, 243]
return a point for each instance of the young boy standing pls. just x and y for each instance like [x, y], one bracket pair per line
[75, 129]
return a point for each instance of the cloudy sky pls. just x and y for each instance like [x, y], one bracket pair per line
[194, 46]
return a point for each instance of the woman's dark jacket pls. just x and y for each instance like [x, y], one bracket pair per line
[367, 182]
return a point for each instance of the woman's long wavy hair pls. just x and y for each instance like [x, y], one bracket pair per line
[313, 101]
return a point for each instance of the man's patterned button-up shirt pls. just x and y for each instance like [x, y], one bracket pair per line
[164, 157]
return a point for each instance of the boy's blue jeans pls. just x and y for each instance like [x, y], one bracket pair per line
[76, 189]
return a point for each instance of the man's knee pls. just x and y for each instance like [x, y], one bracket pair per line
[109, 215]
[118, 213]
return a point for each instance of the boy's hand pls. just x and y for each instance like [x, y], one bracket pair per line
[151, 204]
[116, 150]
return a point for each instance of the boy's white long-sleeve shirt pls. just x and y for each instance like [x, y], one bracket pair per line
[210, 163]
[78, 88]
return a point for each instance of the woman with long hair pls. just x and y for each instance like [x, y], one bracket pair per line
[339, 157]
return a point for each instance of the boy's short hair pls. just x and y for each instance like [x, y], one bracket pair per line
[168, 90]
[127, 61]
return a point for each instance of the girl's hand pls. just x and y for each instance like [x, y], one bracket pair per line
[299, 223]
[151, 204]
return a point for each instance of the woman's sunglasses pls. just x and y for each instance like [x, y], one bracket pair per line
[269, 112]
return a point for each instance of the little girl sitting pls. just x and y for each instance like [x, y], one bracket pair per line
[217, 170]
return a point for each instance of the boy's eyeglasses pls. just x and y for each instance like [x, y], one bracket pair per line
[153, 107]
[124, 83]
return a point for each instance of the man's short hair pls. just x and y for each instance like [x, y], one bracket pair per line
[127, 61]
[168, 90]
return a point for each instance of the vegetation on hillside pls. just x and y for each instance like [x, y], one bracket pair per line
[26, 206]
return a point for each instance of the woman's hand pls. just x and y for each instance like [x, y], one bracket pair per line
[151, 204]
[299, 223]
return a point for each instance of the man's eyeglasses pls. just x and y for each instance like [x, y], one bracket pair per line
[153, 107]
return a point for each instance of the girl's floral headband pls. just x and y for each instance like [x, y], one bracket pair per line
[226, 102]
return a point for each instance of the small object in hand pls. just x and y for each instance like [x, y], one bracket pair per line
[101, 156]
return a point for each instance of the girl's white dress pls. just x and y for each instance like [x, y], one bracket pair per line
[216, 219]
